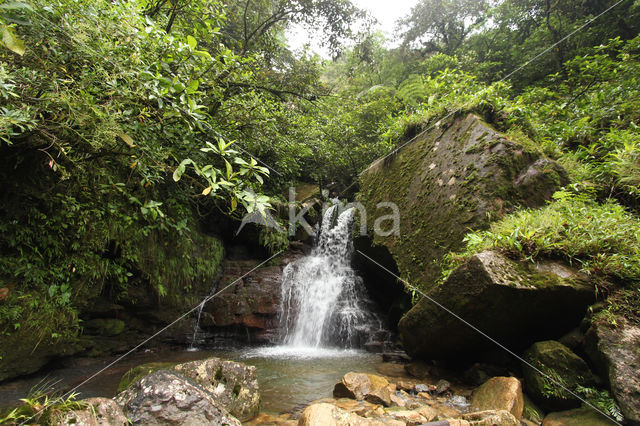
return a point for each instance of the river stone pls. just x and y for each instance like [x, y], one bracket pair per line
[514, 303]
[167, 397]
[361, 386]
[499, 393]
[330, 415]
[615, 351]
[561, 363]
[491, 418]
[233, 384]
[458, 175]
[584, 416]
[99, 412]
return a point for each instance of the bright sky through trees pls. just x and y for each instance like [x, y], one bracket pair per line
[387, 12]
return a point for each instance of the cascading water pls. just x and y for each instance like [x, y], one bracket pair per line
[323, 302]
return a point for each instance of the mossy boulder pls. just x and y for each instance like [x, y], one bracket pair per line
[615, 351]
[460, 174]
[234, 385]
[515, 303]
[561, 364]
[139, 371]
[584, 416]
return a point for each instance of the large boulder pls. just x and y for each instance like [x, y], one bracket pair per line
[168, 398]
[460, 174]
[561, 364]
[514, 303]
[499, 393]
[233, 384]
[361, 386]
[615, 351]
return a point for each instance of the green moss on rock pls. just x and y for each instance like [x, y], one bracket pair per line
[457, 176]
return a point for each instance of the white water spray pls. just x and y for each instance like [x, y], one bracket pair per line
[323, 303]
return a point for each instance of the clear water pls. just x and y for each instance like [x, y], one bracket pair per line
[323, 302]
[288, 379]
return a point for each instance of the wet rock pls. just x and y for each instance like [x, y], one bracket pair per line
[99, 412]
[330, 415]
[491, 418]
[418, 369]
[405, 386]
[429, 413]
[556, 361]
[233, 384]
[248, 310]
[398, 357]
[408, 417]
[391, 369]
[515, 303]
[442, 386]
[499, 393]
[615, 351]
[454, 177]
[578, 417]
[363, 386]
[168, 398]
[422, 388]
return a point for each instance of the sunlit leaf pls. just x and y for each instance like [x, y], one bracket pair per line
[12, 41]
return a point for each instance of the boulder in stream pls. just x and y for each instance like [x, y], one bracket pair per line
[361, 386]
[233, 384]
[515, 303]
[99, 412]
[167, 397]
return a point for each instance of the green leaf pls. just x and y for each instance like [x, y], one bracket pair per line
[127, 139]
[192, 41]
[179, 171]
[15, 5]
[12, 41]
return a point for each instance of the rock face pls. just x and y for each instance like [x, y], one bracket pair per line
[514, 303]
[99, 412]
[234, 385]
[616, 353]
[248, 309]
[499, 393]
[168, 398]
[370, 387]
[454, 177]
[560, 363]
[491, 418]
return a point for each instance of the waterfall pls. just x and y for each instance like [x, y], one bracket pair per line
[323, 302]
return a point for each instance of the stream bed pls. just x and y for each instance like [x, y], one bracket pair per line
[289, 378]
